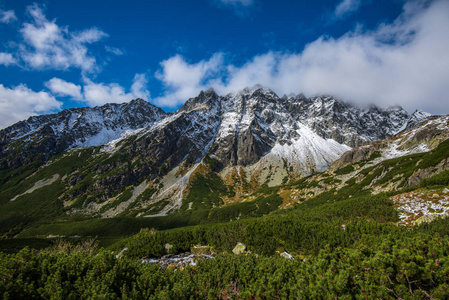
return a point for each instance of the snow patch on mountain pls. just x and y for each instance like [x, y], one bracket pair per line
[112, 146]
[310, 150]
[394, 151]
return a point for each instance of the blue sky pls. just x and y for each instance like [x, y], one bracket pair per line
[62, 54]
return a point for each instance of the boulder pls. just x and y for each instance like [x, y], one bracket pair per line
[239, 249]
[121, 253]
[168, 247]
[286, 255]
[201, 250]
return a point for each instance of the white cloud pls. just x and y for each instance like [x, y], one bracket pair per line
[61, 87]
[346, 7]
[100, 93]
[7, 59]
[183, 80]
[88, 36]
[139, 87]
[7, 16]
[20, 102]
[405, 62]
[49, 46]
[95, 94]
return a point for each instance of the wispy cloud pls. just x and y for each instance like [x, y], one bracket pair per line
[238, 2]
[20, 102]
[346, 7]
[7, 59]
[7, 16]
[405, 62]
[94, 94]
[113, 50]
[139, 88]
[241, 8]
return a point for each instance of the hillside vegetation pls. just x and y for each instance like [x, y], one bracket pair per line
[366, 258]
[372, 226]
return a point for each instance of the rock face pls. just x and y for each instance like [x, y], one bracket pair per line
[333, 119]
[251, 136]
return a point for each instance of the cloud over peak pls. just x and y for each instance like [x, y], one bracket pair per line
[405, 62]
[63, 88]
[183, 80]
[20, 102]
[95, 94]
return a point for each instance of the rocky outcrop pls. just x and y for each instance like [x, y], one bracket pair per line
[177, 260]
[354, 156]
[420, 174]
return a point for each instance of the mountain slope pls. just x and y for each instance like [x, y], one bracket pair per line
[355, 188]
[133, 159]
[394, 165]
[48, 135]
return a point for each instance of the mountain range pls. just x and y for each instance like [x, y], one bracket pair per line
[135, 159]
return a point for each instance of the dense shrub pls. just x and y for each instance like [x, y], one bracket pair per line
[407, 268]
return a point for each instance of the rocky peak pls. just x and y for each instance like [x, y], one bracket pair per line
[137, 101]
[264, 94]
[420, 114]
[417, 118]
[204, 99]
